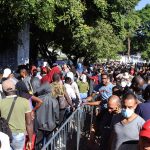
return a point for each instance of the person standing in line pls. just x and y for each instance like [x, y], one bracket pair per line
[83, 86]
[143, 109]
[20, 120]
[127, 125]
[144, 143]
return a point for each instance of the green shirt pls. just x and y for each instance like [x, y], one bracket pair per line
[83, 87]
[17, 119]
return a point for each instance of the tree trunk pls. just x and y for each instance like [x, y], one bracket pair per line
[129, 48]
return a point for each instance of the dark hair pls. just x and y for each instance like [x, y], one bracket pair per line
[67, 80]
[21, 67]
[105, 74]
[56, 77]
[119, 91]
[117, 87]
[146, 94]
[129, 95]
[21, 87]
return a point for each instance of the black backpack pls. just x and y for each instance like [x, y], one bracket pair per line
[4, 126]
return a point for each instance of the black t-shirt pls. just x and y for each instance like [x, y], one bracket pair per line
[26, 95]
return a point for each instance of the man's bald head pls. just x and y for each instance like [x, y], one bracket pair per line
[114, 104]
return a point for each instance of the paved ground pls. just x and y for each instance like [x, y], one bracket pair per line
[89, 143]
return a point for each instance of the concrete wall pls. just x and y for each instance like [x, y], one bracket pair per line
[23, 46]
[16, 54]
[8, 58]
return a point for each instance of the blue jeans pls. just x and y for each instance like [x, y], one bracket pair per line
[83, 95]
[18, 141]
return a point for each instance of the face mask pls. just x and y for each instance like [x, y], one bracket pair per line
[141, 88]
[127, 113]
[129, 84]
[123, 84]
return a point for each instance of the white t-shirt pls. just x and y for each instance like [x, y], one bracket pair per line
[5, 143]
[76, 89]
[70, 91]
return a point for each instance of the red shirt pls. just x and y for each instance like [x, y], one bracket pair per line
[95, 78]
[49, 76]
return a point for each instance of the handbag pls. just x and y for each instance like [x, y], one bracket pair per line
[62, 102]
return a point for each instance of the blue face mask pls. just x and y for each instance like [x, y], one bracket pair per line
[127, 113]
[140, 88]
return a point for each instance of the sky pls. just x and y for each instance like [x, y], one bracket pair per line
[142, 4]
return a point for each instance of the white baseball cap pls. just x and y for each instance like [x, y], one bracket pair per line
[6, 73]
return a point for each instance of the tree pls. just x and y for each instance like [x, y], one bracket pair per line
[80, 28]
[132, 23]
[104, 41]
[15, 14]
[142, 35]
[146, 53]
[80, 39]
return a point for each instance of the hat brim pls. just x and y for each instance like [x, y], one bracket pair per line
[145, 134]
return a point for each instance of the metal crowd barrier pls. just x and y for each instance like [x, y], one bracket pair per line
[68, 135]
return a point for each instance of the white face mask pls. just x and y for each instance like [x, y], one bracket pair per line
[127, 113]
[123, 84]
[129, 84]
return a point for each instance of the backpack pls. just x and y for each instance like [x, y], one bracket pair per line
[58, 91]
[4, 126]
[62, 102]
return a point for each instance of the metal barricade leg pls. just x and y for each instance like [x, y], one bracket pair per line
[79, 113]
[68, 133]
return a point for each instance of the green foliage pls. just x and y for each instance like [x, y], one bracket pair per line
[91, 29]
[70, 11]
[146, 53]
[45, 14]
[142, 35]
[105, 42]
[19, 12]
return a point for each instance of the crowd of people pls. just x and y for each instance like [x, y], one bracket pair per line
[36, 101]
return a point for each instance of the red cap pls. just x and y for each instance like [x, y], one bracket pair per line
[145, 132]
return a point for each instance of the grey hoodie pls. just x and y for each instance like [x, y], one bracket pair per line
[48, 114]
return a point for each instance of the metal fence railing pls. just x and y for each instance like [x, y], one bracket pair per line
[67, 137]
